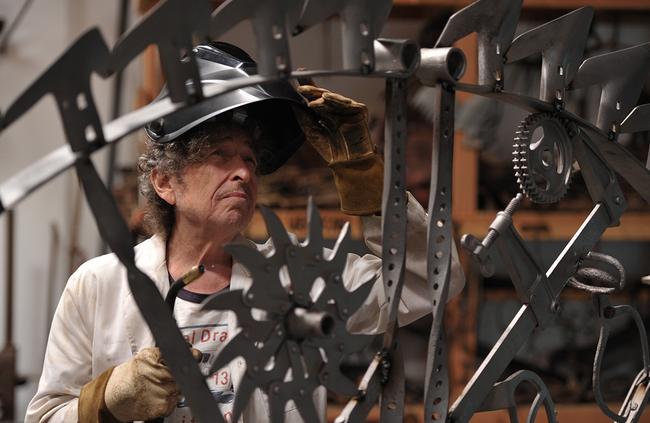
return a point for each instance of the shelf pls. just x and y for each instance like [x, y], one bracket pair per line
[556, 225]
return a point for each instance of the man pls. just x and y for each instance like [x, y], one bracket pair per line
[199, 177]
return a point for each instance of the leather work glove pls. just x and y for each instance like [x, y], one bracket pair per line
[342, 138]
[139, 389]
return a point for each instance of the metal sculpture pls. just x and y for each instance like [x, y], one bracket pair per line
[297, 327]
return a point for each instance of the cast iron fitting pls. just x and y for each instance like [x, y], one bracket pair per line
[396, 56]
[303, 324]
[441, 64]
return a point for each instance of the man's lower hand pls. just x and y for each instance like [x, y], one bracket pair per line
[142, 388]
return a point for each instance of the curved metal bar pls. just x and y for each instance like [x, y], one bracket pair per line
[439, 245]
[26, 181]
[606, 312]
[394, 221]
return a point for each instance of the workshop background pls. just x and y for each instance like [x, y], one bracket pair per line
[53, 230]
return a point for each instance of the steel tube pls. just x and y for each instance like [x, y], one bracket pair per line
[441, 64]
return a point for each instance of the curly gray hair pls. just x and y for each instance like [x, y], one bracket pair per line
[170, 159]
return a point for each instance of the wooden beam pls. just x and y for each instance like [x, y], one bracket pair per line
[557, 225]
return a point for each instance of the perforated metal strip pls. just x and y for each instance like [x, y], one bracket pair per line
[439, 252]
[394, 241]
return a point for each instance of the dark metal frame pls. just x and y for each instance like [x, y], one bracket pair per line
[594, 146]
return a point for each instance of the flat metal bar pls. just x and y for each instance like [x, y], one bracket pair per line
[582, 242]
[394, 243]
[475, 392]
[23, 183]
[439, 244]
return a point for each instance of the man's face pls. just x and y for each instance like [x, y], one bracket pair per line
[219, 193]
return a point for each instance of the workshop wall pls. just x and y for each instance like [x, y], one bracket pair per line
[54, 229]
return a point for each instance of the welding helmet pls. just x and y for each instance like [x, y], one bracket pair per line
[269, 105]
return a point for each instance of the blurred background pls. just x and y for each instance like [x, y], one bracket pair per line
[54, 232]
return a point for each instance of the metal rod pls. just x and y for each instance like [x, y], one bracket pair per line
[9, 278]
[477, 389]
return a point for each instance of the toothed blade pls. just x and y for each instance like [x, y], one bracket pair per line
[338, 256]
[307, 410]
[276, 408]
[239, 346]
[244, 392]
[267, 294]
[226, 300]
[248, 256]
[276, 230]
[315, 227]
[337, 382]
[359, 295]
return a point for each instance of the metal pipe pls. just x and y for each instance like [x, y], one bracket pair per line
[303, 324]
[441, 64]
[396, 56]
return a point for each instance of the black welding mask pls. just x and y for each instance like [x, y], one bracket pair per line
[268, 104]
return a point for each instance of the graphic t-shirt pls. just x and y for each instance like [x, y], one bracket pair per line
[208, 332]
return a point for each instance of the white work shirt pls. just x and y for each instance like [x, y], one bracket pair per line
[97, 324]
[207, 331]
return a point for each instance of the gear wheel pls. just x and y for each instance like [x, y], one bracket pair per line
[298, 340]
[543, 155]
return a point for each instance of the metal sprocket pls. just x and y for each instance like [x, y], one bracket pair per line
[283, 357]
[543, 156]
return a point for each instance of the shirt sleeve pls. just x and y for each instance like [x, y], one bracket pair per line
[415, 302]
[68, 361]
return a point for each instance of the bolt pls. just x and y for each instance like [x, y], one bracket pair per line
[392, 405]
[275, 389]
[250, 296]
[301, 392]
[617, 200]
[555, 306]
[634, 406]
[345, 311]
[256, 369]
